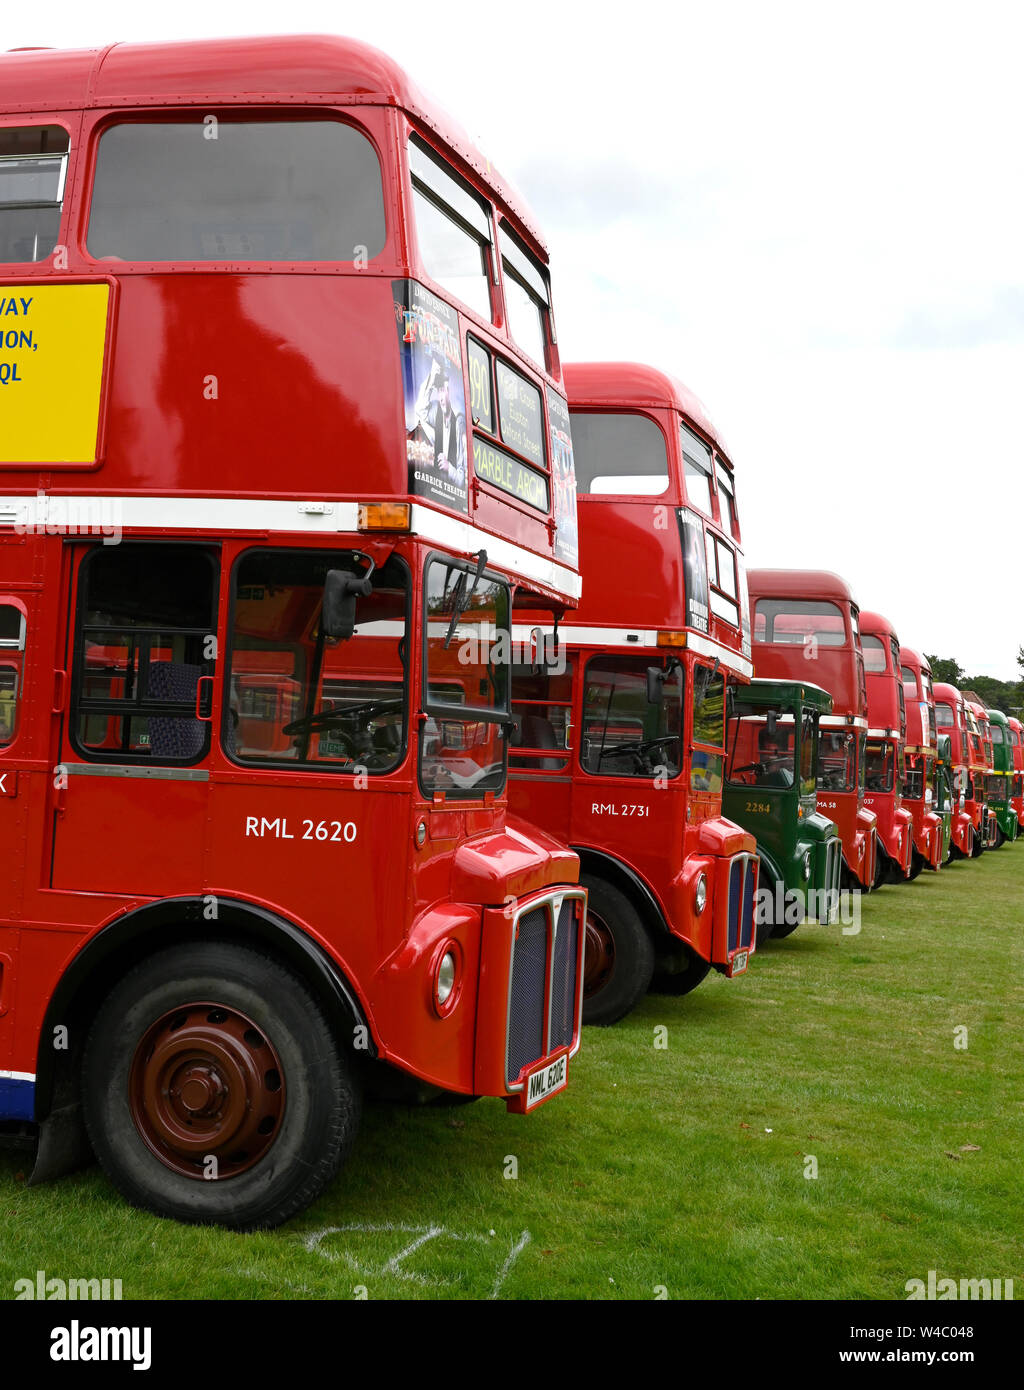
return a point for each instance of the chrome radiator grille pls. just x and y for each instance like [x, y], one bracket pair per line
[544, 982]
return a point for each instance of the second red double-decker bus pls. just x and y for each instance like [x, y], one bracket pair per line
[887, 729]
[931, 828]
[620, 749]
[806, 627]
[280, 456]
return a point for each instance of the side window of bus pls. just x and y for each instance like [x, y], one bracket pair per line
[453, 227]
[722, 577]
[527, 296]
[33, 169]
[13, 632]
[618, 454]
[142, 644]
[287, 190]
[696, 470]
[542, 709]
[727, 500]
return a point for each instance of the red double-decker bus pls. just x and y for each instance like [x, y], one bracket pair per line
[952, 721]
[930, 832]
[279, 460]
[887, 733]
[806, 627]
[620, 747]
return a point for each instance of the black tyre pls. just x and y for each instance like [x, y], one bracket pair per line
[977, 844]
[916, 865]
[693, 970]
[213, 1089]
[882, 866]
[619, 960]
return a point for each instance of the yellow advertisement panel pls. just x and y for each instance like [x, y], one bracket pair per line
[51, 369]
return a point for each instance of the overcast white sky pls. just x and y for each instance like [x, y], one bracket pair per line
[813, 214]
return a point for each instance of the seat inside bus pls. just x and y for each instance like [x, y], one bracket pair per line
[534, 731]
[175, 736]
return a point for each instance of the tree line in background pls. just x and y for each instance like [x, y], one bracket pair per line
[1005, 695]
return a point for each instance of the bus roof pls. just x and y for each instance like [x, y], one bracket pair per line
[634, 384]
[878, 626]
[909, 657]
[812, 584]
[996, 716]
[283, 69]
[942, 690]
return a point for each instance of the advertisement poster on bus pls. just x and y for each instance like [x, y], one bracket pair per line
[563, 481]
[435, 396]
[695, 570]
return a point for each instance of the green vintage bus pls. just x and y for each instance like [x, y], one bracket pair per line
[771, 790]
[1000, 783]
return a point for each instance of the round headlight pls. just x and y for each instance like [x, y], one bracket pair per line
[445, 979]
[807, 865]
[700, 896]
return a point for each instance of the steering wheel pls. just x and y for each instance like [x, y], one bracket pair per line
[327, 718]
[759, 768]
[637, 746]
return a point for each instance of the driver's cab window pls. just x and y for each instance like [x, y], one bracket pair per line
[297, 694]
[762, 750]
[13, 629]
[633, 717]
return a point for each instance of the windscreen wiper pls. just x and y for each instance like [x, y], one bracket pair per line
[461, 600]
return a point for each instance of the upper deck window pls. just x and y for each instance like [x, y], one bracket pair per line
[798, 621]
[697, 468]
[909, 677]
[996, 732]
[944, 716]
[619, 453]
[33, 168]
[289, 190]
[874, 654]
[727, 500]
[454, 230]
[527, 296]
[722, 577]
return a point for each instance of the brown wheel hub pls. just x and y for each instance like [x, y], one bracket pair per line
[206, 1083]
[599, 961]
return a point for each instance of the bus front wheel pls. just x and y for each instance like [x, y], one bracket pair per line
[619, 959]
[213, 1089]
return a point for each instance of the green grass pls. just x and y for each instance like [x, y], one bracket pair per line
[680, 1167]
